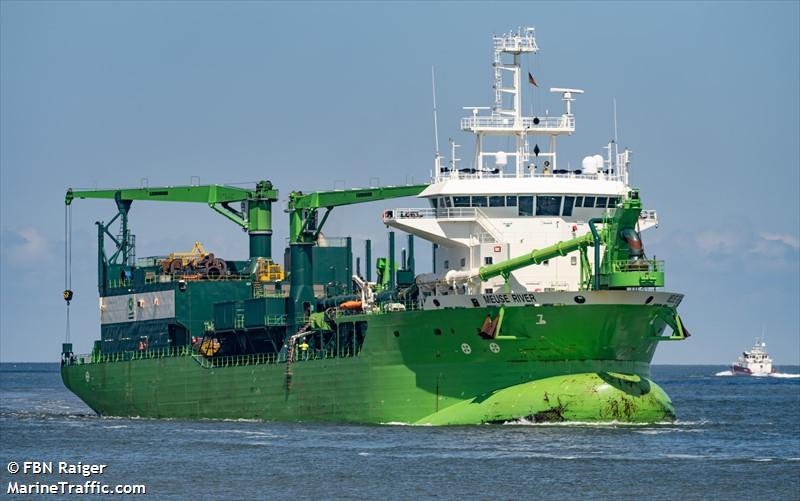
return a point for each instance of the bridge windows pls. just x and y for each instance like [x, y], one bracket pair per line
[497, 201]
[525, 205]
[460, 201]
[529, 205]
[479, 202]
[548, 205]
[568, 202]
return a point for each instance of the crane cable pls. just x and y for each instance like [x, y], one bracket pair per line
[67, 261]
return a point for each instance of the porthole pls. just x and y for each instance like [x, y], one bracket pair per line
[396, 333]
[649, 300]
[580, 299]
[437, 332]
[436, 302]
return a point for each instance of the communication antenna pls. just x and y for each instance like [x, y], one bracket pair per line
[437, 158]
[616, 139]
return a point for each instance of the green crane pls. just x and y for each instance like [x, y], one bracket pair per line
[255, 217]
[304, 229]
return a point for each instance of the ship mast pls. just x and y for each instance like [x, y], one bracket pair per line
[505, 117]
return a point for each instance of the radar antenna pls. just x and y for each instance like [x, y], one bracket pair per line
[437, 164]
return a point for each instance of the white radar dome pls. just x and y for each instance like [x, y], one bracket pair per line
[588, 165]
[598, 162]
[501, 159]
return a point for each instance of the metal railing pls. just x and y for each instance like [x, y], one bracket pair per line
[240, 360]
[506, 175]
[176, 277]
[429, 213]
[213, 362]
[124, 356]
[565, 123]
[649, 215]
[644, 265]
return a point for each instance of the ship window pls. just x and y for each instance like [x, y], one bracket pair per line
[601, 202]
[434, 203]
[548, 205]
[488, 290]
[479, 202]
[463, 262]
[488, 260]
[573, 260]
[578, 201]
[460, 201]
[511, 201]
[446, 264]
[497, 202]
[568, 201]
[588, 201]
[613, 201]
[525, 206]
[446, 202]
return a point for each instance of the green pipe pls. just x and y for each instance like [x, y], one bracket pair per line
[410, 263]
[301, 283]
[368, 259]
[504, 268]
[349, 265]
[391, 260]
[596, 238]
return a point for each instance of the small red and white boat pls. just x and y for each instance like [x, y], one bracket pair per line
[755, 362]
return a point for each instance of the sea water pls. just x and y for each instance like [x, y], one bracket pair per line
[735, 437]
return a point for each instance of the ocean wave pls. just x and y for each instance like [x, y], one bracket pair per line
[782, 375]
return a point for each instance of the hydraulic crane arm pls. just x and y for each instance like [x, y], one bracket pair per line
[304, 231]
[218, 197]
[303, 207]
[256, 218]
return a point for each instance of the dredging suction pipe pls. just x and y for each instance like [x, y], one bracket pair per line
[538, 256]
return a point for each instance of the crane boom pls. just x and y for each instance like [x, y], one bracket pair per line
[303, 227]
[256, 218]
[304, 231]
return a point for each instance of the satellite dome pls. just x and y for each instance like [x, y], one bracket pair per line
[501, 159]
[588, 165]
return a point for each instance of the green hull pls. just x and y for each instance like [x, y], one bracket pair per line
[551, 363]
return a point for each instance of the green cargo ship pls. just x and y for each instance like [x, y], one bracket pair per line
[541, 304]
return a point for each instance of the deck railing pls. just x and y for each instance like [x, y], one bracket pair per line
[648, 265]
[309, 354]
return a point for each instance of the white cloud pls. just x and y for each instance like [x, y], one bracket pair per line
[786, 239]
[28, 245]
[715, 241]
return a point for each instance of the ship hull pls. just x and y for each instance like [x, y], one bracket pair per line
[550, 363]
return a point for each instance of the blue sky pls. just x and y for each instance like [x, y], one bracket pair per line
[318, 95]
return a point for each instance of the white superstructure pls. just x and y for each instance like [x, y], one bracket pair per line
[515, 196]
[755, 362]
